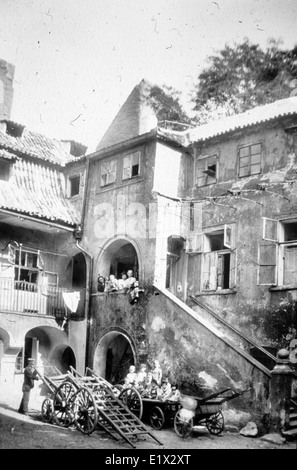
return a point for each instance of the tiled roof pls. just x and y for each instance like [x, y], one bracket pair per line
[7, 155]
[38, 191]
[36, 145]
[260, 114]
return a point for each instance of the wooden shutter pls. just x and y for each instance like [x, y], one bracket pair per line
[209, 271]
[270, 229]
[233, 269]
[194, 243]
[266, 264]
[227, 236]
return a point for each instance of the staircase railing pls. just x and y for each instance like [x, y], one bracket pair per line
[235, 330]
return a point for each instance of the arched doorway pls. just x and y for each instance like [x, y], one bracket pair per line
[113, 356]
[118, 256]
[40, 342]
[63, 357]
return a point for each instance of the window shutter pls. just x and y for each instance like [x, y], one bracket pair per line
[209, 271]
[266, 264]
[233, 269]
[227, 236]
[194, 243]
[270, 227]
[40, 261]
[11, 254]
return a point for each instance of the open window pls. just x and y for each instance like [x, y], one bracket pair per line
[4, 170]
[74, 184]
[131, 165]
[218, 260]
[108, 173]
[206, 170]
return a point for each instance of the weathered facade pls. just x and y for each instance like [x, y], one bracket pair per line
[206, 217]
[40, 259]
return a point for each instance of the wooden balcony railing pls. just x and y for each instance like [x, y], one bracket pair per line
[26, 297]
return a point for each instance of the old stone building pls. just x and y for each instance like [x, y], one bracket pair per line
[206, 218]
[41, 262]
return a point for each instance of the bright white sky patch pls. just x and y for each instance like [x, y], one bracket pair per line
[78, 60]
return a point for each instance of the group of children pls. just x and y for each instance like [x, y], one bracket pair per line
[151, 384]
[127, 284]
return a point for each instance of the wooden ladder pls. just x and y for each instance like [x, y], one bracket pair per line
[114, 416]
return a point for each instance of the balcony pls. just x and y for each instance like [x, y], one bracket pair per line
[30, 298]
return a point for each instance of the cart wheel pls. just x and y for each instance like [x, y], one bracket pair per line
[63, 405]
[182, 426]
[47, 410]
[157, 419]
[85, 411]
[215, 423]
[132, 399]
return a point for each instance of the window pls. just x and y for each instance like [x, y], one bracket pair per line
[218, 260]
[108, 172]
[206, 170]
[131, 165]
[277, 256]
[27, 265]
[74, 185]
[250, 160]
[4, 170]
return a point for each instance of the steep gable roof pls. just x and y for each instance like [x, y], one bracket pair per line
[135, 117]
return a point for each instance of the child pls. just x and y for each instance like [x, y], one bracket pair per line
[131, 377]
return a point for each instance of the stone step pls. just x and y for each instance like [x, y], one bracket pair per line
[292, 416]
[293, 424]
[290, 433]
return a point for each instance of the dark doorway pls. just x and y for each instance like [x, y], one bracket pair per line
[119, 357]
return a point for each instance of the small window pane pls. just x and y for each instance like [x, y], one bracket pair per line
[255, 159]
[244, 152]
[244, 171]
[108, 172]
[244, 161]
[255, 149]
[255, 169]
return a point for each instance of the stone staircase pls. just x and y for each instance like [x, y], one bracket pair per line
[291, 432]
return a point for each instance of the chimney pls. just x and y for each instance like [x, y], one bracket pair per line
[6, 89]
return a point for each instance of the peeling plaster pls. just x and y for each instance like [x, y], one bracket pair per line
[158, 324]
[210, 381]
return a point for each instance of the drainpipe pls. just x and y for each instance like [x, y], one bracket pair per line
[90, 270]
[88, 297]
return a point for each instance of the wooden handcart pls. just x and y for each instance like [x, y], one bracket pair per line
[88, 402]
[208, 412]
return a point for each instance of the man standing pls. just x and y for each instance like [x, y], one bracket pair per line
[30, 374]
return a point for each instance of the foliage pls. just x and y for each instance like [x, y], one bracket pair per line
[280, 323]
[242, 76]
[166, 103]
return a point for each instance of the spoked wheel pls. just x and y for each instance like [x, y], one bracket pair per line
[85, 411]
[182, 425]
[47, 410]
[63, 405]
[132, 399]
[215, 423]
[157, 418]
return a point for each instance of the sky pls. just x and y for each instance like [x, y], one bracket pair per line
[76, 61]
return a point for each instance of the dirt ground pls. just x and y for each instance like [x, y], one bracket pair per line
[30, 432]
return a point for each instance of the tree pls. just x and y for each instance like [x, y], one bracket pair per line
[165, 101]
[243, 76]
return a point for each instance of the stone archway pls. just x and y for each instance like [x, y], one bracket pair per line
[63, 357]
[113, 356]
[119, 255]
